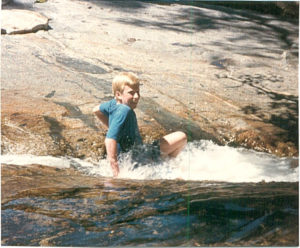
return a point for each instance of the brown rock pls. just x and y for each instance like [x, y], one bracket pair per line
[263, 142]
[41, 127]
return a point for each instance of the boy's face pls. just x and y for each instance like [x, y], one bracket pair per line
[130, 96]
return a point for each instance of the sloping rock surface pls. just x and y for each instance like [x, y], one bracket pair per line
[216, 73]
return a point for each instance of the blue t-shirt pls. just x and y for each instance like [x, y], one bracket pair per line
[122, 124]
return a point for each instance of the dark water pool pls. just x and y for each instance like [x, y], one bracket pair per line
[60, 207]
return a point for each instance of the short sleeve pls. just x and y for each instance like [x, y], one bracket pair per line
[116, 122]
[104, 108]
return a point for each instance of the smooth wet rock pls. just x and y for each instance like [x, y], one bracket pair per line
[41, 127]
[46, 206]
[18, 21]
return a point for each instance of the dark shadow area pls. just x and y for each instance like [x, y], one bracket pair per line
[98, 84]
[75, 112]
[51, 94]
[15, 4]
[121, 5]
[85, 68]
[244, 16]
[235, 18]
[55, 129]
[260, 214]
[56, 134]
[284, 107]
[80, 65]
[172, 122]
[283, 9]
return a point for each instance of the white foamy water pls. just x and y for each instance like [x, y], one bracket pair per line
[28, 159]
[199, 161]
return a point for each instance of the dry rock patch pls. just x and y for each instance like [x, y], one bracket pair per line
[19, 21]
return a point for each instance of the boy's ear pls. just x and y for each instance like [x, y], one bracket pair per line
[118, 95]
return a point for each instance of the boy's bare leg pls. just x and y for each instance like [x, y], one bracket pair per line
[172, 144]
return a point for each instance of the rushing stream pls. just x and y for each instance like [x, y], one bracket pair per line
[209, 195]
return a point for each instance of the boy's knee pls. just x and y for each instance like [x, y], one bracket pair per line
[174, 139]
[181, 136]
[173, 143]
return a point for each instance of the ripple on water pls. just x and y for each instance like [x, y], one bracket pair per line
[97, 211]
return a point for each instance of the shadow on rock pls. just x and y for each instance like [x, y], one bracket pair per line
[173, 122]
[127, 6]
[285, 107]
[191, 20]
[17, 4]
[75, 112]
[56, 130]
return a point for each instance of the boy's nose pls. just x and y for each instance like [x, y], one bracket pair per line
[136, 95]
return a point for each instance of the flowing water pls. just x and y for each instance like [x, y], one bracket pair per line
[209, 195]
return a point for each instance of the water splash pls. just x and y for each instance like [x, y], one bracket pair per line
[28, 159]
[200, 161]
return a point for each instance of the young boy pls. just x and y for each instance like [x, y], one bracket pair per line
[119, 117]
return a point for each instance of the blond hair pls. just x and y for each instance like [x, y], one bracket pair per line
[122, 79]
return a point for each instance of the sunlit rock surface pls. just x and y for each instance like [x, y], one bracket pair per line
[217, 73]
[17, 21]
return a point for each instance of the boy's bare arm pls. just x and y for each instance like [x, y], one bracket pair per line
[110, 144]
[103, 118]
[112, 155]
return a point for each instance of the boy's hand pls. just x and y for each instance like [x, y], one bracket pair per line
[115, 168]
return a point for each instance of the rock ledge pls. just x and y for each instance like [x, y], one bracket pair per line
[18, 21]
